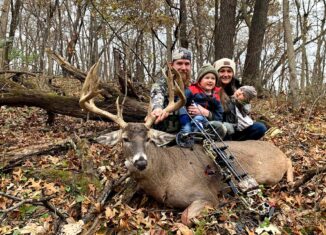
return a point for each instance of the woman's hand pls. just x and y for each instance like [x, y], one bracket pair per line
[194, 110]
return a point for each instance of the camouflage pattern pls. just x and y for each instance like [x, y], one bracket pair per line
[159, 94]
[160, 99]
[181, 53]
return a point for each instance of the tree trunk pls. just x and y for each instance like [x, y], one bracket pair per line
[224, 39]
[140, 75]
[255, 44]
[13, 26]
[303, 27]
[199, 20]
[317, 72]
[183, 24]
[70, 51]
[168, 35]
[293, 83]
[3, 28]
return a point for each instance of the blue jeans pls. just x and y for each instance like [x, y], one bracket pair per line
[253, 132]
[196, 124]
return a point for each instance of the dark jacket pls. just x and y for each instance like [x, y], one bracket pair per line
[230, 114]
[194, 93]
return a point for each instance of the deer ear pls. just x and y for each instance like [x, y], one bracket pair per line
[160, 138]
[110, 138]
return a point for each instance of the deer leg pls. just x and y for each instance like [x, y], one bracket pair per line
[193, 210]
[289, 172]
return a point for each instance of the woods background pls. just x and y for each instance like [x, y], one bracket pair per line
[275, 49]
[53, 172]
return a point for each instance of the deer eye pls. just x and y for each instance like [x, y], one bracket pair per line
[126, 139]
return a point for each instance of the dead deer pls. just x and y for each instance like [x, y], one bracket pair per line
[176, 176]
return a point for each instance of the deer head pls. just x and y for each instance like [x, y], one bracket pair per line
[134, 136]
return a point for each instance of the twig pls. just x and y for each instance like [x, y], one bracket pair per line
[92, 229]
[18, 72]
[50, 207]
[308, 175]
[16, 158]
[123, 42]
[312, 107]
[23, 201]
[102, 199]
[310, 112]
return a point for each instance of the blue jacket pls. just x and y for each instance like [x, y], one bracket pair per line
[194, 93]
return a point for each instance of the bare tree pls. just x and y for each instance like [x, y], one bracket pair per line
[319, 63]
[224, 38]
[293, 83]
[3, 28]
[183, 24]
[303, 23]
[255, 43]
[15, 10]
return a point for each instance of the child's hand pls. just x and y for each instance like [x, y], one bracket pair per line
[194, 110]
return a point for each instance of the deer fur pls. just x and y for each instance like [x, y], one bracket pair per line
[176, 176]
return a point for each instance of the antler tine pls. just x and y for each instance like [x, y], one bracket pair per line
[174, 87]
[90, 90]
[177, 87]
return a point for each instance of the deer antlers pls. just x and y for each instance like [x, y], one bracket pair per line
[90, 90]
[175, 87]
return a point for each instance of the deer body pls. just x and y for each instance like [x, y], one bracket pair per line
[177, 176]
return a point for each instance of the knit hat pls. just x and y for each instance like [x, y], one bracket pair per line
[249, 92]
[206, 68]
[181, 53]
[225, 62]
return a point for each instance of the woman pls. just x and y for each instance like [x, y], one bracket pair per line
[229, 84]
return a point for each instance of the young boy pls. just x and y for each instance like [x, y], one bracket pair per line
[203, 104]
[236, 114]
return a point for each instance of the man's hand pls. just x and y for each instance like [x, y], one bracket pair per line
[160, 115]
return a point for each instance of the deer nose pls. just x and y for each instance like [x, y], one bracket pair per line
[140, 161]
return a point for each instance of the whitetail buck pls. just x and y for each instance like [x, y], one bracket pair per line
[176, 176]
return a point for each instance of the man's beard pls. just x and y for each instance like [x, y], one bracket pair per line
[186, 78]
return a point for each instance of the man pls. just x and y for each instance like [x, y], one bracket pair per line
[181, 61]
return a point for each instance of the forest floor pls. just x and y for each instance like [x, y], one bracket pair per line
[53, 172]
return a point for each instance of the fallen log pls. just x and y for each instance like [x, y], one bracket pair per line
[16, 158]
[134, 111]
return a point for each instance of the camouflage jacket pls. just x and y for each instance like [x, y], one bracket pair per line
[159, 94]
[159, 99]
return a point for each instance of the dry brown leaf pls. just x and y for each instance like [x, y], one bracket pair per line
[109, 212]
[17, 174]
[50, 188]
[184, 230]
[322, 203]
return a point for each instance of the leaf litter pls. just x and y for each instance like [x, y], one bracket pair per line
[300, 212]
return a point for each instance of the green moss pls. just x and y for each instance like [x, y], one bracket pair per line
[200, 227]
[78, 183]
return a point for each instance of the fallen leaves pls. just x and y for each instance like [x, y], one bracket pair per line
[301, 212]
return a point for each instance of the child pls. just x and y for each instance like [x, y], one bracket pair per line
[236, 114]
[203, 104]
